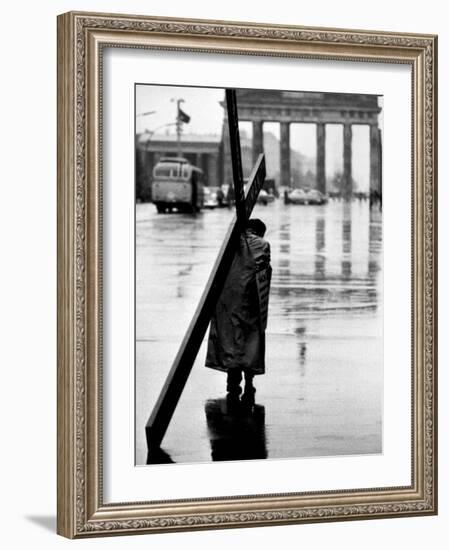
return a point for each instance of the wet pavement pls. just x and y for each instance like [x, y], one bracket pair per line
[322, 391]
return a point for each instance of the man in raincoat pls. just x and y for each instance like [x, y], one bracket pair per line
[236, 342]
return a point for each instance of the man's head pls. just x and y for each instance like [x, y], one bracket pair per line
[256, 226]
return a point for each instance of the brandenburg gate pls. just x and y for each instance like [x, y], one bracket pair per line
[259, 106]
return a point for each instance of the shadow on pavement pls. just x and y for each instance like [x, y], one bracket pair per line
[159, 456]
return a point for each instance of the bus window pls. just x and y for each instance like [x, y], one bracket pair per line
[163, 172]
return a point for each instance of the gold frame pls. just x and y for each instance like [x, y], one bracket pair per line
[81, 37]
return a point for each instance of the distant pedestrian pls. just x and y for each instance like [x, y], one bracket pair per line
[236, 342]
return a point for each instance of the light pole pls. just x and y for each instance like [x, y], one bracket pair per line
[178, 124]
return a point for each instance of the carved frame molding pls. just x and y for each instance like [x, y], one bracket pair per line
[81, 37]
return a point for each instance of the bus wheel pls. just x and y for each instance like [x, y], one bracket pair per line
[160, 208]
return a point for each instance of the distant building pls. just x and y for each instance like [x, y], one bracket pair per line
[204, 151]
[300, 164]
[287, 167]
[320, 109]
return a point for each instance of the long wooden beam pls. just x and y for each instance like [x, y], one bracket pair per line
[236, 155]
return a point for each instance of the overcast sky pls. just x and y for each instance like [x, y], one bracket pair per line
[203, 106]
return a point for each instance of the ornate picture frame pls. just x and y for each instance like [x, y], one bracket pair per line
[82, 38]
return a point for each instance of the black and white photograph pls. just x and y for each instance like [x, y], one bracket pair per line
[258, 274]
[247, 285]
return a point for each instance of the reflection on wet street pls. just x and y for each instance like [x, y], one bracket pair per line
[236, 432]
[322, 391]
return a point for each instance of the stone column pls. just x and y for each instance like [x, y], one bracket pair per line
[321, 157]
[257, 139]
[375, 160]
[226, 154]
[285, 154]
[212, 172]
[347, 161]
[199, 160]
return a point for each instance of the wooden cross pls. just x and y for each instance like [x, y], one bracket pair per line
[244, 202]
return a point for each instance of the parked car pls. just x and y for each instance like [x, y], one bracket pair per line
[269, 185]
[264, 197]
[210, 197]
[302, 196]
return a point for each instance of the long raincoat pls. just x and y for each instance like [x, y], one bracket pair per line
[237, 329]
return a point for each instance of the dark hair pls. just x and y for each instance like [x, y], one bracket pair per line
[257, 226]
